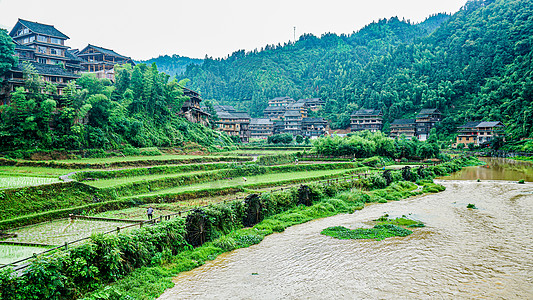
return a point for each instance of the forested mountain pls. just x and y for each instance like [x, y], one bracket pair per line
[172, 65]
[473, 65]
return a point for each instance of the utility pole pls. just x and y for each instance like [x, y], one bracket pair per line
[294, 34]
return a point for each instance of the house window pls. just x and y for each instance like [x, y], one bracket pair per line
[55, 51]
[41, 38]
[42, 49]
[55, 41]
[42, 60]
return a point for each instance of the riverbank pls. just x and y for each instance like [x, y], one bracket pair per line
[461, 253]
[147, 283]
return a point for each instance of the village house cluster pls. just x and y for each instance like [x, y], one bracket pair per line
[43, 46]
[372, 120]
[476, 133]
[283, 115]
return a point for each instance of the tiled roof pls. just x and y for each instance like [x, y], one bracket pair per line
[105, 51]
[282, 98]
[469, 125]
[403, 121]
[42, 29]
[46, 69]
[274, 108]
[313, 120]
[490, 124]
[71, 55]
[428, 111]
[260, 121]
[226, 108]
[292, 113]
[233, 115]
[367, 112]
[296, 105]
[22, 47]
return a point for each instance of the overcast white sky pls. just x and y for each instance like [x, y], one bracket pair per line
[194, 28]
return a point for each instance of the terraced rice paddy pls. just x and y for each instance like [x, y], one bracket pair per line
[251, 180]
[129, 158]
[22, 181]
[136, 213]
[104, 183]
[60, 231]
[10, 171]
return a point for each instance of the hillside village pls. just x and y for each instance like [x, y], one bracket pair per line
[44, 48]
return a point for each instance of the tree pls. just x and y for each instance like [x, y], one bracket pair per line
[32, 80]
[283, 138]
[7, 51]
[299, 139]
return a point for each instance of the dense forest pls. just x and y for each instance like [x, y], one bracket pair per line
[139, 109]
[473, 65]
[172, 65]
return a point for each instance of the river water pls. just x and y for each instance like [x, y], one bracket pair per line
[484, 253]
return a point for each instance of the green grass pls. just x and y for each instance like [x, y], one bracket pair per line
[22, 181]
[378, 232]
[403, 221]
[105, 183]
[33, 171]
[250, 181]
[127, 158]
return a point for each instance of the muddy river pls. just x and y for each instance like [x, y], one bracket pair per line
[484, 253]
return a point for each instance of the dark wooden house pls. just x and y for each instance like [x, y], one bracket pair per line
[102, 61]
[261, 128]
[407, 127]
[43, 47]
[366, 119]
[234, 123]
[314, 127]
[425, 120]
[191, 108]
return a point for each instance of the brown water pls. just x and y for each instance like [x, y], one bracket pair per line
[496, 169]
[484, 253]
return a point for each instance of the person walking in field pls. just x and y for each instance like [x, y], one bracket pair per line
[149, 212]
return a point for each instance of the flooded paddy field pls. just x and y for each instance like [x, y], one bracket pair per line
[22, 181]
[12, 253]
[60, 231]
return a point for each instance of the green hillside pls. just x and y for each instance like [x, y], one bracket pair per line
[473, 65]
[172, 65]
